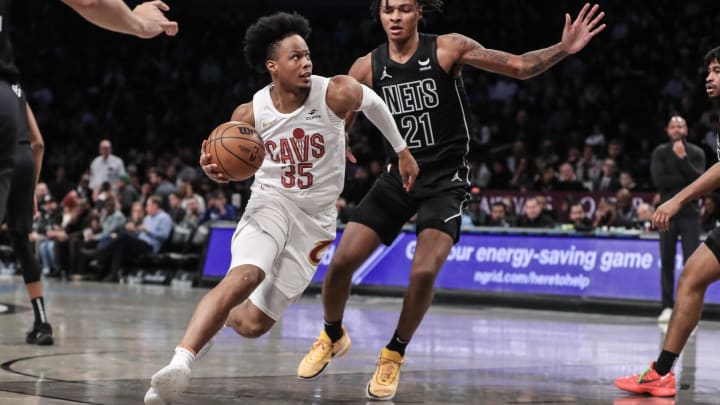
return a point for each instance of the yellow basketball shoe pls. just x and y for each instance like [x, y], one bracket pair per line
[384, 382]
[320, 354]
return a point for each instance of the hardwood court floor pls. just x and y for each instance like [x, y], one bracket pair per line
[111, 338]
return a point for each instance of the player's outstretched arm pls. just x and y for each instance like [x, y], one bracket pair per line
[145, 21]
[345, 94]
[576, 35]
[709, 181]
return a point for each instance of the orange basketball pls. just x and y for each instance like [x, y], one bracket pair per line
[236, 148]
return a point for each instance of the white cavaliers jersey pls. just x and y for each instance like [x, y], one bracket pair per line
[304, 150]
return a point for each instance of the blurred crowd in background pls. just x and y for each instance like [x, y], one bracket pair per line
[589, 125]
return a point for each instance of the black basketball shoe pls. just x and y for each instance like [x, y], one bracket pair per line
[41, 334]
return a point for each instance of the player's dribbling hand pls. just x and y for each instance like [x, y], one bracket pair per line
[154, 21]
[663, 214]
[578, 33]
[210, 169]
[408, 168]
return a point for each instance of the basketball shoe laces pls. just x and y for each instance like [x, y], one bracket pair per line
[320, 349]
[388, 370]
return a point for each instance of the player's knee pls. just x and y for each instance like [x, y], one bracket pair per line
[424, 275]
[251, 330]
[342, 267]
[691, 281]
[244, 276]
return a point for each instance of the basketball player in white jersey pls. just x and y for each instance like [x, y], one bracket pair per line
[290, 218]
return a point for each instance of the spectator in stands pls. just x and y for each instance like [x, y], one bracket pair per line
[589, 167]
[547, 181]
[105, 167]
[605, 215]
[644, 213]
[193, 214]
[625, 211]
[126, 193]
[187, 193]
[578, 217]
[674, 165]
[627, 181]
[218, 209]
[524, 176]
[41, 192]
[49, 217]
[498, 216]
[615, 151]
[547, 156]
[567, 180]
[83, 190]
[159, 184]
[175, 210]
[76, 218]
[111, 221]
[533, 216]
[518, 153]
[608, 180]
[137, 240]
[105, 192]
[545, 208]
[137, 214]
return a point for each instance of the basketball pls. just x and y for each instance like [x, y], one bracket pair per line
[237, 149]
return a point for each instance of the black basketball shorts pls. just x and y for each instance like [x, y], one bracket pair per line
[437, 198]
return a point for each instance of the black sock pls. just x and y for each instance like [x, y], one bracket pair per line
[397, 344]
[334, 330]
[665, 362]
[38, 305]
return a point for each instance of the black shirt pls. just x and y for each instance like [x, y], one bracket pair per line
[670, 174]
[429, 106]
[8, 69]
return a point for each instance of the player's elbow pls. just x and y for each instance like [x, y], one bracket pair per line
[37, 146]
[523, 69]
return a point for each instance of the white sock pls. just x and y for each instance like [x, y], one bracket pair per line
[182, 356]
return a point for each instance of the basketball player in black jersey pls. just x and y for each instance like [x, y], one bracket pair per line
[701, 270]
[21, 144]
[419, 76]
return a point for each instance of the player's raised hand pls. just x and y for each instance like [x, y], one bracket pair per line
[663, 214]
[408, 168]
[154, 21]
[211, 169]
[578, 33]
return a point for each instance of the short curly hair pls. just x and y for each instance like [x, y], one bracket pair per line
[262, 37]
[713, 54]
[427, 5]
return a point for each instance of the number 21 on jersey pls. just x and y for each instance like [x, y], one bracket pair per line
[418, 130]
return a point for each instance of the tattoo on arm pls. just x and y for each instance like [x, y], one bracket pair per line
[536, 62]
[463, 41]
[490, 55]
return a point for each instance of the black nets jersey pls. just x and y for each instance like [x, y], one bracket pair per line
[8, 69]
[429, 106]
